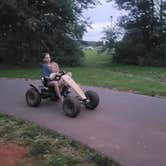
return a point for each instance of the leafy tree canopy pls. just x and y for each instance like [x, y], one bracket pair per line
[30, 27]
[145, 32]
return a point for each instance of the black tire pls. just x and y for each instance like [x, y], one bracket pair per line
[33, 97]
[71, 107]
[94, 100]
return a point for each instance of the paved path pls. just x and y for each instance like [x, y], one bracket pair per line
[127, 127]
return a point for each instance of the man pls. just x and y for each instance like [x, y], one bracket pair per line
[48, 68]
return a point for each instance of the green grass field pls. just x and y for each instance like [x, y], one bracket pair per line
[99, 71]
[46, 148]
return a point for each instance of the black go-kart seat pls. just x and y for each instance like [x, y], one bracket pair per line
[48, 89]
[46, 82]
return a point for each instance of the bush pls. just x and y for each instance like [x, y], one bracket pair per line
[137, 54]
[156, 57]
[128, 53]
[70, 55]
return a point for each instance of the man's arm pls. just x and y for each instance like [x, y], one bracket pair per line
[45, 71]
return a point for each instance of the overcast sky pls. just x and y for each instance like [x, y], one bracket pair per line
[100, 17]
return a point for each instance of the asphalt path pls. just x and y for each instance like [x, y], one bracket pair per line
[127, 127]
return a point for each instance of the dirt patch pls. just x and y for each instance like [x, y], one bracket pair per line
[11, 154]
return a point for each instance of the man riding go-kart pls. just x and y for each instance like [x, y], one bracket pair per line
[56, 85]
[49, 70]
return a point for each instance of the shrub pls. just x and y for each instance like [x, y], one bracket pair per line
[156, 57]
[128, 53]
[70, 55]
[137, 54]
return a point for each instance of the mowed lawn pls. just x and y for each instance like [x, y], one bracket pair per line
[99, 71]
[43, 147]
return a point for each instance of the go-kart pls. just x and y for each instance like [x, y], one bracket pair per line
[71, 105]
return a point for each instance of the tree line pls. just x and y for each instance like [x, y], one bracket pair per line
[29, 28]
[144, 37]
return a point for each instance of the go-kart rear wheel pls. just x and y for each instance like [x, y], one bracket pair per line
[93, 100]
[71, 107]
[33, 97]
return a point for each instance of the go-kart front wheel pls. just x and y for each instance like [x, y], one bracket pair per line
[71, 107]
[33, 97]
[93, 100]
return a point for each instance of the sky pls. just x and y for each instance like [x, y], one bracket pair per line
[100, 16]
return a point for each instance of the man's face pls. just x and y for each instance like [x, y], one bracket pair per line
[54, 67]
[47, 58]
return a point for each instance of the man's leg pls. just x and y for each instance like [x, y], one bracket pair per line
[57, 90]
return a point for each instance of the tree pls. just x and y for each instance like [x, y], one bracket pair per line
[110, 37]
[144, 32]
[30, 27]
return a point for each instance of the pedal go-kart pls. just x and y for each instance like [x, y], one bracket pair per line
[71, 105]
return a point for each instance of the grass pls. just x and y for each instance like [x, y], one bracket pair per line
[99, 71]
[46, 148]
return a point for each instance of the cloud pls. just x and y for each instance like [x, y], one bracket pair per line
[98, 26]
[92, 36]
[101, 18]
[95, 32]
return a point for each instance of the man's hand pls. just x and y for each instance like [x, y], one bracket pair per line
[52, 76]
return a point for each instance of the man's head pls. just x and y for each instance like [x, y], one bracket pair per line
[47, 58]
[54, 67]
